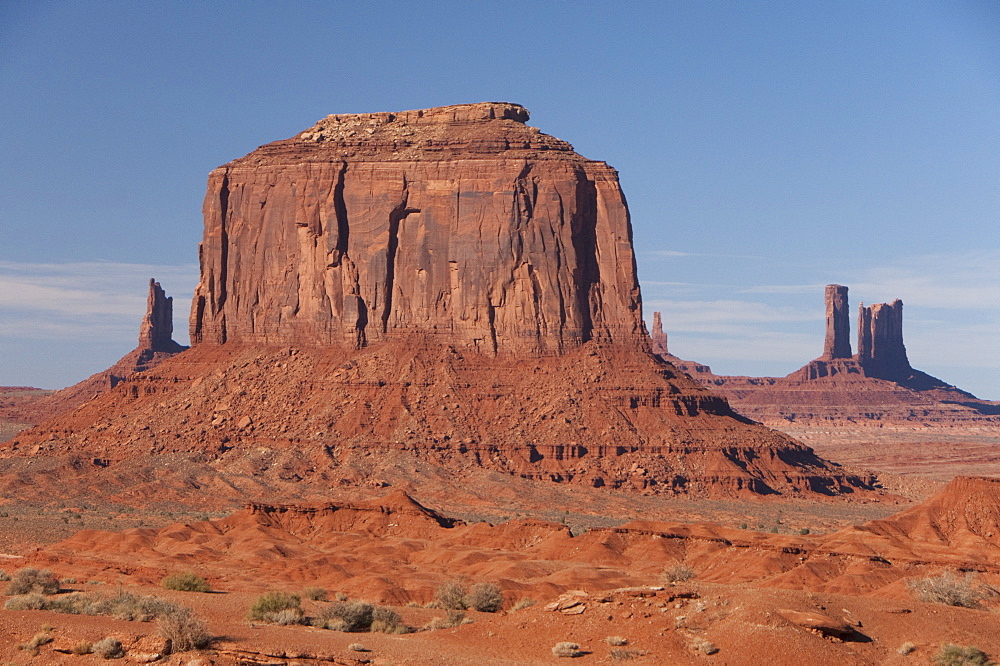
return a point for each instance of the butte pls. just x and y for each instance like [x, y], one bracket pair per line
[384, 294]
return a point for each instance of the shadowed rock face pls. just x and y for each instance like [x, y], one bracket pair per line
[461, 221]
[880, 341]
[157, 328]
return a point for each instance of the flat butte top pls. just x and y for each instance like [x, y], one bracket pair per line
[471, 131]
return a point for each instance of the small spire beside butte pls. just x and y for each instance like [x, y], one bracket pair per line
[157, 328]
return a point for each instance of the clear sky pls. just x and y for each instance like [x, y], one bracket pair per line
[766, 149]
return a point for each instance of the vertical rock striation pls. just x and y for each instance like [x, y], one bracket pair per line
[461, 221]
[838, 323]
[880, 341]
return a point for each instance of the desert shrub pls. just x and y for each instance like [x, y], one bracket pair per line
[286, 617]
[960, 655]
[39, 639]
[127, 606]
[616, 640]
[314, 593]
[4, 576]
[185, 630]
[621, 654]
[30, 580]
[82, 648]
[353, 615]
[186, 581]
[703, 645]
[950, 588]
[450, 596]
[68, 581]
[357, 647]
[271, 603]
[906, 648]
[566, 649]
[33, 601]
[340, 596]
[387, 621]
[453, 619]
[522, 604]
[484, 597]
[109, 648]
[678, 573]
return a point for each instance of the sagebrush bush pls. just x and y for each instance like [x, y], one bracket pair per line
[109, 648]
[270, 603]
[453, 619]
[30, 580]
[960, 655]
[951, 589]
[484, 597]
[678, 573]
[41, 638]
[523, 603]
[616, 640]
[703, 645]
[314, 593]
[353, 615]
[122, 605]
[451, 596]
[82, 648]
[566, 649]
[387, 621]
[621, 654]
[906, 648]
[185, 630]
[186, 581]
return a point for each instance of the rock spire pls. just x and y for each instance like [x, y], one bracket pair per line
[658, 339]
[838, 323]
[880, 341]
[157, 328]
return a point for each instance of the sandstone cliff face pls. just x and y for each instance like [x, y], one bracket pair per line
[461, 221]
[838, 323]
[880, 341]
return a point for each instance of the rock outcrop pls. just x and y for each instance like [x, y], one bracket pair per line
[461, 221]
[658, 339]
[446, 285]
[838, 323]
[877, 386]
[880, 341]
[156, 344]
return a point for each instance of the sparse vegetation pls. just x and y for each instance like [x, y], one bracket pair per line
[269, 605]
[353, 615]
[357, 647]
[39, 639]
[453, 619]
[82, 648]
[122, 605]
[314, 593]
[705, 646]
[30, 580]
[450, 596]
[108, 648]
[185, 630]
[950, 588]
[523, 603]
[566, 649]
[186, 581]
[617, 641]
[484, 597]
[960, 655]
[678, 573]
[906, 648]
[388, 621]
[621, 654]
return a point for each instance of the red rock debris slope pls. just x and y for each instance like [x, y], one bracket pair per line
[447, 284]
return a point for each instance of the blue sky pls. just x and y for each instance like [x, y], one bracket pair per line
[766, 149]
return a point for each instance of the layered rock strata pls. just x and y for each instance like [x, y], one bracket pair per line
[877, 386]
[446, 285]
[460, 220]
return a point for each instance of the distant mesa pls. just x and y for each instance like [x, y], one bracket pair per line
[877, 384]
[448, 286]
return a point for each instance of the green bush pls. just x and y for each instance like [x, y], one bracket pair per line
[271, 603]
[958, 655]
[186, 581]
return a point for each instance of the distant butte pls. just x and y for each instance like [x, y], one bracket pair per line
[445, 287]
[877, 386]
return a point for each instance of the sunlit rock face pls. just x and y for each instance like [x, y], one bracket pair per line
[461, 221]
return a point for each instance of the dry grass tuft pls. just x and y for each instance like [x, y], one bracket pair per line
[566, 649]
[951, 589]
